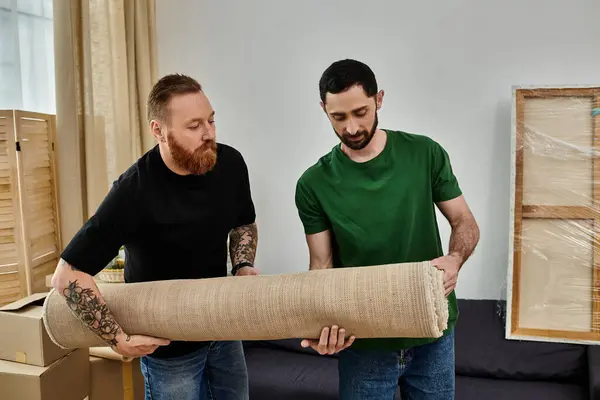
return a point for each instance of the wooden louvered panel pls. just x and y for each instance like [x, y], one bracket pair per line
[39, 275]
[9, 257]
[10, 287]
[7, 236]
[13, 277]
[29, 222]
[35, 133]
[7, 218]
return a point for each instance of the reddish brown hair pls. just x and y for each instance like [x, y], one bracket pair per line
[163, 90]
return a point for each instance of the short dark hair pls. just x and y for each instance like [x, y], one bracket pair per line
[344, 74]
[164, 89]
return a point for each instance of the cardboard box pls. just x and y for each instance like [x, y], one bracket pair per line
[115, 380]
[23, 337]
[66, 379]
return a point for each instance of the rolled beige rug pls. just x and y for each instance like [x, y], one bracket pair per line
[399, 300]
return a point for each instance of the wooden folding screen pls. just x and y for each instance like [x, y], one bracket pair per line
[554, 275]
[29, 220]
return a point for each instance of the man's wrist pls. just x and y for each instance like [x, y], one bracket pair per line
[121, 338]
[458, 257]
[239, 266]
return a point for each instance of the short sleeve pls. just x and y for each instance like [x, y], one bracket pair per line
[444, 184]
[246, 212]
[310, 212]
[100, 238]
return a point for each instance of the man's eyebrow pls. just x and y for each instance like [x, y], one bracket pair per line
[363, 108]
[200, 119]
[339, 113]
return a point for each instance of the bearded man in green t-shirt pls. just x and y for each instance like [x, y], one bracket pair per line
[371, 201]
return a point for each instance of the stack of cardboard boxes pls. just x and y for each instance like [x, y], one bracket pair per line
[32, 367]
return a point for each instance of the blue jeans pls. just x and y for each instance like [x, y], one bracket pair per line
[217, 371]
[424, 372]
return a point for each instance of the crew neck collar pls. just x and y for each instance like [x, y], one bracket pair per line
[344, 158]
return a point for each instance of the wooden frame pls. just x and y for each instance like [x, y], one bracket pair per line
[36, 134]
[33, 222]
[558, 214]
[13, 273]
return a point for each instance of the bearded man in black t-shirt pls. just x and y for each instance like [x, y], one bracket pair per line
[174, 210]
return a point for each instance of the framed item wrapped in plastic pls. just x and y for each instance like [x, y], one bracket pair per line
[553, 283]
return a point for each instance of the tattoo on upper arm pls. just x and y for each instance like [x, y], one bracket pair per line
[87, 307]
[242, 244]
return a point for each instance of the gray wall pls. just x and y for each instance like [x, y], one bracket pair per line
[447, 69]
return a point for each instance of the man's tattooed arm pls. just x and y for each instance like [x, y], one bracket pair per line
[92, 311]
[242, 244]
[86, 302]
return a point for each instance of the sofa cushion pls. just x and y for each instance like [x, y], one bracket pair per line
[593, 371]
[482, 350]
[468, 388]
[276, 374]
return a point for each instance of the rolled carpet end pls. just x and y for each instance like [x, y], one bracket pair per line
[396, 300]
[50, 329]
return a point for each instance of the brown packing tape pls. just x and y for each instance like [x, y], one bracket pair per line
[21, 357]
[116, 379]
[108, 353]
[128, 390]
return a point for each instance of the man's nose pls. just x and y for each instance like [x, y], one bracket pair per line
[352, 127]
[209, 132]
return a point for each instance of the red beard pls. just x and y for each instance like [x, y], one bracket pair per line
[198, 162]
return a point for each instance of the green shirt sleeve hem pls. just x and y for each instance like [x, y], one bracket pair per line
[447, 194]
[314, 229]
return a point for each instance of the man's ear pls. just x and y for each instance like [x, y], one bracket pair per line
[155, 129]
[379, 99]
[323, 107]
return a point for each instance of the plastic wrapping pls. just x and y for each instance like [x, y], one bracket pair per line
[553, 285]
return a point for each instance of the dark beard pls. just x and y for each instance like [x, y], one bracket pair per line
[366, 137]
[199, 162]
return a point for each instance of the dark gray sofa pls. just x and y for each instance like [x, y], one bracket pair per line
[487, 366]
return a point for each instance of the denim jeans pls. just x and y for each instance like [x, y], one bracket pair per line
[217, 371]
[424, 372]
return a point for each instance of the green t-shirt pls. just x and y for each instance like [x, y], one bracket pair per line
[381, 211]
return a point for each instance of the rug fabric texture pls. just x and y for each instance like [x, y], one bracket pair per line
[398, 300]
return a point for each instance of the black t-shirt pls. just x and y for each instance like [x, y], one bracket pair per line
[172, 226]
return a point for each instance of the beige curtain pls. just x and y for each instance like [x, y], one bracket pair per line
[105, 54]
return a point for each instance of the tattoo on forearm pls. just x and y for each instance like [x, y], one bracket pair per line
[242, 244]
[463, 239]
[87, 307]
[63, 262]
